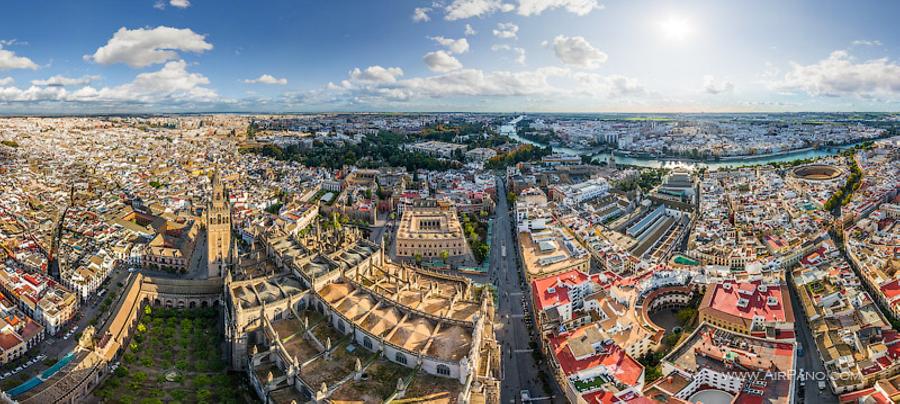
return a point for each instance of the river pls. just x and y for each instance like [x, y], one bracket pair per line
[662, 162]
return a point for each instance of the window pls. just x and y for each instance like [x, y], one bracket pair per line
[367, 343]
[400, 358]
[443, 370]
[341, 326]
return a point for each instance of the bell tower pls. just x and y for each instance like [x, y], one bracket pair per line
[218, 229]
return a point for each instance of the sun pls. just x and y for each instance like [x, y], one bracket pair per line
[676, 28]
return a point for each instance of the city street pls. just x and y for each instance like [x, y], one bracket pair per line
[55, 346]
[520, 372]
[810, 362]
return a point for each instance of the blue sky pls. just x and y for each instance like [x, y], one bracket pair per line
[449, 55]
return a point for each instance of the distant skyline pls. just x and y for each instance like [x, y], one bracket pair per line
[61, 57]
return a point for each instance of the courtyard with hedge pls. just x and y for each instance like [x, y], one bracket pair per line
[175, 356]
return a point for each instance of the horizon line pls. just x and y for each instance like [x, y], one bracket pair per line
[99, 114]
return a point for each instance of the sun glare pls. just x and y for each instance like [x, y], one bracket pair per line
[676, 28]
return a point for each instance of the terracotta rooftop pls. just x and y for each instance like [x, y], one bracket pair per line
[748, 300]
[549, 294]
[625, 369]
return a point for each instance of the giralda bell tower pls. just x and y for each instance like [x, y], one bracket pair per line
[218, 229]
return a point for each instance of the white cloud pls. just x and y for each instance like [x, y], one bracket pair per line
[520, 55]
[866, 42]
[161, 4]
[420, 14]
[33, 93]
[62, 81]
[463, 82]
[172, 84]
[7, 81]
[267, 79]
[461, 9]
[472, 88]
[473, 82]
[506, 30]
[713, 85]
[470, 31]
[577, 51]
[143, 47]
[441, 62]
[456, 46]
[9, 42]
[839, 75]
[519, 52]
[536, 7]
[611, 86]
[9, 60]
[377, 74]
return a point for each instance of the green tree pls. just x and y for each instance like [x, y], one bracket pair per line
[685, 315]
[671, 339]
[139, 376]
[335, 220]
[204, 395]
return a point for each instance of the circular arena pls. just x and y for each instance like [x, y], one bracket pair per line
[711, 396]
[817, 172]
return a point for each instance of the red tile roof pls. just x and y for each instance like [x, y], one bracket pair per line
[726, 301]
[747, 398]
[623, 367]
[9, 340]
[541, 288]
[607, 397]
[599, 397]
[891, 289]
[31, 329]
[855, 396]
